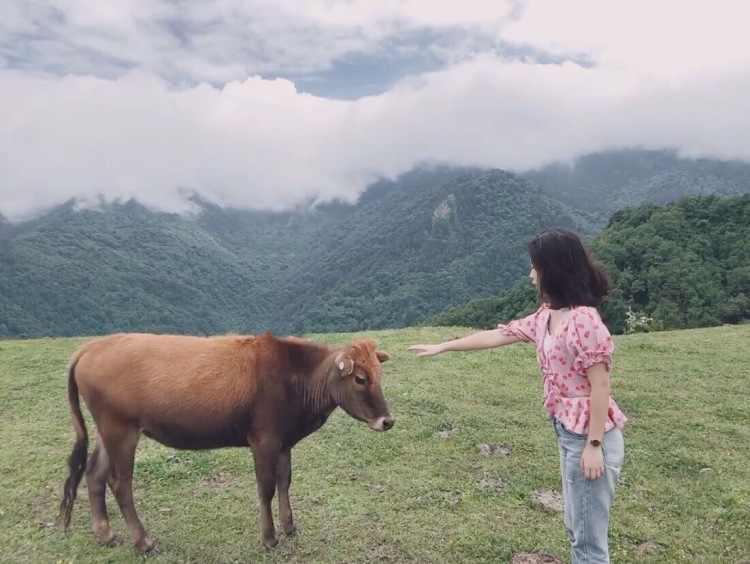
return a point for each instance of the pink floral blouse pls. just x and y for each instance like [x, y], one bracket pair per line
[579, 341]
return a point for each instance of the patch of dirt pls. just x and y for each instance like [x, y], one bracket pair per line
[219, 481]
[452, 497]
[379, 551]
[551, 499]
[642, 547]
[445, 433]
[535, 558]
[380, 488]
[647, 547]
[491, 484]
[496, 450]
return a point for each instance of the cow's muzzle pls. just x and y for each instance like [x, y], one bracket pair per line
[382, 423]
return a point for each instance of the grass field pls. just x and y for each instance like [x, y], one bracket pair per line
[425, 491]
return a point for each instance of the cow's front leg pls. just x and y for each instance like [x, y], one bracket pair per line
[283, 481]
[266, 456]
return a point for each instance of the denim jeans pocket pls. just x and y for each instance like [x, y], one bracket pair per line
[613, 449]
[570, 433]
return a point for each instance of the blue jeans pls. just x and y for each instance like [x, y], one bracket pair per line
[588, 502]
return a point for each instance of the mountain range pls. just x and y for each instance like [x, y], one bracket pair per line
[409, 249]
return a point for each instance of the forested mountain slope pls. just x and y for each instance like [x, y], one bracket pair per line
[127, 268]
[686, 264]
[410, 248]
[603, 183]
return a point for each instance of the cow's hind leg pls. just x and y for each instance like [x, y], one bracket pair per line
[120, 442]
[266, 456]
[283, 481]
[98, 472]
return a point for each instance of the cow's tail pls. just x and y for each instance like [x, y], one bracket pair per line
[77, 460]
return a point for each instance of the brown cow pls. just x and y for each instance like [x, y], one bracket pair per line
[210, 392]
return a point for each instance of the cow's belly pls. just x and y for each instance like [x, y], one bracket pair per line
[195, 437]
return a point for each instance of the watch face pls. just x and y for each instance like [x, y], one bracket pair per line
[595, 442]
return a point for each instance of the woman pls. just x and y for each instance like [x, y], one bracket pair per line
[574, 353]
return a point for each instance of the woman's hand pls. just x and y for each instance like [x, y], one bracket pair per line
[592, 462]
[426, 350]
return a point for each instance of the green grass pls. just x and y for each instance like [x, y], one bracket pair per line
[410, 495]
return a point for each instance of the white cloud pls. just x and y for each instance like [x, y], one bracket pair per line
[222, 40]
[146, 129]
[665, 37]
[408, 12]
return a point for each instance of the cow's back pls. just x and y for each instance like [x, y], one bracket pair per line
[136, 374]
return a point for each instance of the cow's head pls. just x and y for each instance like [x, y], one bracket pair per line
[355, 384]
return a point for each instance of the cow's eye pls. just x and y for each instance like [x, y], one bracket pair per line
[359, 379]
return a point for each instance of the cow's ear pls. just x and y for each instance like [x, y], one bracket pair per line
[344, 364]
[382, 356]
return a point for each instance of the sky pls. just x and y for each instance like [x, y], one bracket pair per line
[265, 104]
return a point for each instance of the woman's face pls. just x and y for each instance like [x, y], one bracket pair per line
[534, 277]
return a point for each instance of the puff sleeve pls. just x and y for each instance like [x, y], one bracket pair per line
[589, 340]
[524, 328]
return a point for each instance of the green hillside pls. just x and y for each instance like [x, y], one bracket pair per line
[682, 265]
[685, 264]
[126, 268]
[410, 251]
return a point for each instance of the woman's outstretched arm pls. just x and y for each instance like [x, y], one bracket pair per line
[480, 340]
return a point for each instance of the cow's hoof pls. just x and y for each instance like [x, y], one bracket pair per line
[271, 542]
[153, 552]
[291, 531]
[146, 546]
[112, 542]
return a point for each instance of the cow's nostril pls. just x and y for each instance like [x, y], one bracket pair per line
[387, 423]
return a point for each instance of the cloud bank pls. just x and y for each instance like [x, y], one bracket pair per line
[158, 100]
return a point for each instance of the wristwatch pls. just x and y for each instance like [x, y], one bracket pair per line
[595, 442]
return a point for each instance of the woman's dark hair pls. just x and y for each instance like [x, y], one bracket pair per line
[568, 274]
